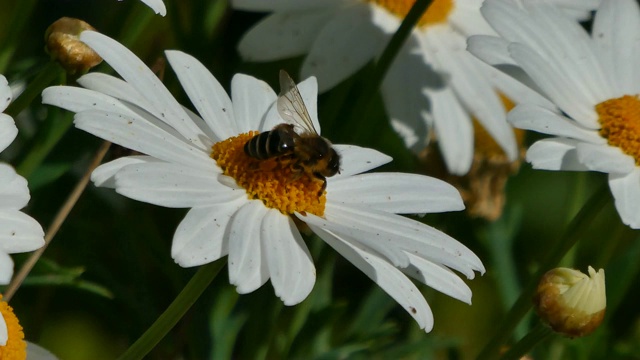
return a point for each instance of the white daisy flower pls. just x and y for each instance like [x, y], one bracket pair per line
[247, 208]
[18, 231]
[593, 79]
[433, 82]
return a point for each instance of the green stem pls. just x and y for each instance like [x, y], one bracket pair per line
[187, 297]
[45, 77]
[498, 237]
[43, 142]
[372, 84]
[539, 333]
[574, 231]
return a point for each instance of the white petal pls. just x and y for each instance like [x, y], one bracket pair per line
[282, 35]
[604, 158]
[136, 73]
[19, 232]
[8, 131]
[174, 185]
[252, 98]
[355, 159]
[6, 273]
[290, 264]
[36, 352]
[336, 54]
[555, 84]
[397, 232]
[403, 97]
[472, 87]
[555, 154]
[247, 266]
[396, 193]
[4, 335]
[533, 117]
[490, 49]
[464, 18]
[392, 281]
[205, 93]
[5, 93]
[454, 130]
[381, 243]
[78, 99]
[14, 193]
[157, 6]
[138, 134]
[626, 192]
[104, 174]
[518, 87]
[439, 278]
[616, 30]
[572, 53]
[202, 235]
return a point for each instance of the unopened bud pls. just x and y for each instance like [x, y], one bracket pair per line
[64, 45]
[570, 302]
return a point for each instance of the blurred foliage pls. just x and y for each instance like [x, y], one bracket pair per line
[108, 273]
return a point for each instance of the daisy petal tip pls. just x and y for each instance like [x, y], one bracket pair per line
[89, 36]
[157, 6]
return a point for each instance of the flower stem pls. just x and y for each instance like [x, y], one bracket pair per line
[45, 77]
[187, 297]
[57, 222]
[574, 231]
[539, 333]
[358, 111]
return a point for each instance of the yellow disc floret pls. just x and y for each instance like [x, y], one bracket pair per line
[437, 13]
[16, 347]
[274, 180]
[620, 124]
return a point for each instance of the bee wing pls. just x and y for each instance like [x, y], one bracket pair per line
[291, 106]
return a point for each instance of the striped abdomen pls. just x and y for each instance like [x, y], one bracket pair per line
[268, 144]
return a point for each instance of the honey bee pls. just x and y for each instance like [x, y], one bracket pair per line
[305, 148]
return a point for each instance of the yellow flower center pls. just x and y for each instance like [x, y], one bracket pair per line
[437, 13]
[620, 124]
[274, 180]
[16, 347]
[484, 144]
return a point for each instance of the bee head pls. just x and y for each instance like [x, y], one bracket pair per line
[333, 163]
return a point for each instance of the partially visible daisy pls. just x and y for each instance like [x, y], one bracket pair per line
[247, 208]
[18, 232]
[594, 79]
[13, 345]
[433, 82]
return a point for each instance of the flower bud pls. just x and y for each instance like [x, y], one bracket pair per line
[63, 44]
[570, 302]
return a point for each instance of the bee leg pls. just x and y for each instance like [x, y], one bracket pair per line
[324, 183]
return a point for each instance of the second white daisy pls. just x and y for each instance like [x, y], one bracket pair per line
[593, 79]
